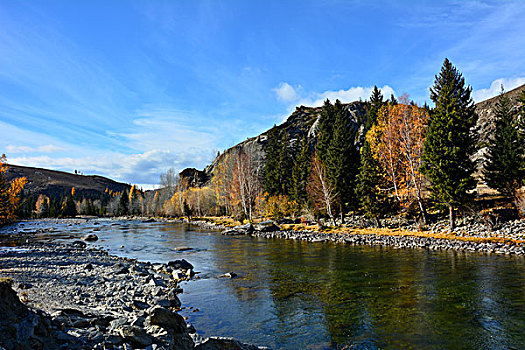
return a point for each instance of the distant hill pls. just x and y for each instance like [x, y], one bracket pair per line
[57, 183]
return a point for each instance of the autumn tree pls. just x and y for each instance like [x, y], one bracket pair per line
[9, 193]
[320, 190]
[506, 152]
[450, 142]
[245, 186]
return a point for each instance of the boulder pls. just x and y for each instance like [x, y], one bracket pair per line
[90, 238]
[167, 319]
[20, 327]
[220, 343]
[180, 264]
[135, 335]
[267, 226]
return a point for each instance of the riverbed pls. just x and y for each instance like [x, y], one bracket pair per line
[295, 294]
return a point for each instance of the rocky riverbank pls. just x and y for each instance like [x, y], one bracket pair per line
[508, 238]
[75, 296]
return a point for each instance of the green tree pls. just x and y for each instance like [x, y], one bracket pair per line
[325, 130]
[271, 165]
[450, 143]
[123, 206]
[300, 172]
[375, 104]
[504, 163]
[69, 209]
[369, 182]
[342, 158]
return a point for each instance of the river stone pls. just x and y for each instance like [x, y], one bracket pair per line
[166, 319]
[90, 238]
[135, 335]
[267, 226]
[119, 269]
[221, 343]
[180, 264]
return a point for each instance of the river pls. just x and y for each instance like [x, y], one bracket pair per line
[299, 295]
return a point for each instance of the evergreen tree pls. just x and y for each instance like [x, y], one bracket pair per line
[325, 130]
[123, 206]
[505, 157]
[450, 143]
[300, 172]
[285, 166]
[271, 165]
[393, 100]
[342, 158]
[368, 190]
[69, 209]
[375, 104]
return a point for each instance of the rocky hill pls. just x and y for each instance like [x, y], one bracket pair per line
[56, 183]
[303, 121]
[486, 120]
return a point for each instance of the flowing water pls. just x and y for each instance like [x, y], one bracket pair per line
[299, 295]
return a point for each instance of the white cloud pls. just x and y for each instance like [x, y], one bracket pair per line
[352, 94]
[495, 88]
[287, 93]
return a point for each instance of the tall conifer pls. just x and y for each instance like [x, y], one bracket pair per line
[449, 142]
[342, 158]
[371, 199]
[271, 165]
[504, 168]
[375, 104]
[301, 171]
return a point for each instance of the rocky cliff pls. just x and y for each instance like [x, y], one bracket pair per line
[303, 121]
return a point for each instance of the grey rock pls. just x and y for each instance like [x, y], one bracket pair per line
[167, 319]
[90, 237]
[135, 335]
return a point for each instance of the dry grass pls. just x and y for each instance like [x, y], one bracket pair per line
[399, 232]
[230, 222]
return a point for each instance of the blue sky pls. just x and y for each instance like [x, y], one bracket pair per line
[128, 89]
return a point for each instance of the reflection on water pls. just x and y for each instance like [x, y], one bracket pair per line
[297, 295]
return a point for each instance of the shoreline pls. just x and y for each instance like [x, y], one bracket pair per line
[381, 237]
[77, 296]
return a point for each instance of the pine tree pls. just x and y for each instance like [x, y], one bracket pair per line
[69, 209]
[450, 143]
[300, 172]
[325, 130]
[271, 165]
[285, 166]
[342, 158]
[123, 206]
[505, 157]
[368, 190]
[376, 102]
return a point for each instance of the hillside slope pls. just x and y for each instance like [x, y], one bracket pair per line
[56, 183]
